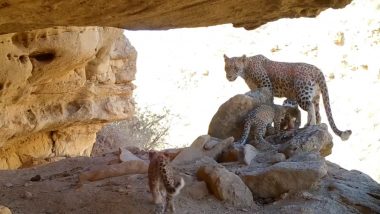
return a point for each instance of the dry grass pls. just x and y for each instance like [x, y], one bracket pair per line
[146, 130]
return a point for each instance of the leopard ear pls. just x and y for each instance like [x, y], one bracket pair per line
[225, 56]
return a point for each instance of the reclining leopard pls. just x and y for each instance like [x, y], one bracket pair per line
[301, 82]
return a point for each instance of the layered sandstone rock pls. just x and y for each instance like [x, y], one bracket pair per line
[16, 16]
[57, 87]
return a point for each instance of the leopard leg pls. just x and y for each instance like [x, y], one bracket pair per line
[304, 100]
[169, 203]
[308, 106]
[260, 130]
[154, 186]
[277, 124]
[316, 107]
[247, 128]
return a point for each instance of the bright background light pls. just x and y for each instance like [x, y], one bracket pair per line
[183, 70]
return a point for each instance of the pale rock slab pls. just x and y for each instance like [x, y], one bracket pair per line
[225, 185]
[203, 146]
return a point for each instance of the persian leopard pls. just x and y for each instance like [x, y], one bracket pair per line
[292, 120]
[300, 82]
[262, 116]
[162, 180]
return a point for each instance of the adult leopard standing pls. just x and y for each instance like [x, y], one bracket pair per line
[301, 82]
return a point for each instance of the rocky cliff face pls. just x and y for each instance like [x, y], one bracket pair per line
[57, 87]
[17, 16]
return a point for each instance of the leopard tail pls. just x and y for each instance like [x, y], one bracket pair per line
[344, 135]
[173, 188]
[247, 128]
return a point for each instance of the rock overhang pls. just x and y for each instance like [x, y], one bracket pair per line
[18, 16]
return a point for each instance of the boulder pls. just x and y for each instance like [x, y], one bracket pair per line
[352, 188]
[203, 146]
[250, 153]
[114, 170]
[319, 204]
[190, 169]
[231, 154]
[310, 139]
[340, 191]
[58, 86]
[5, 210]
[125, 155]
[296, 174]
[229, 119]
[225, 185]
[269, 157]
[197, 190]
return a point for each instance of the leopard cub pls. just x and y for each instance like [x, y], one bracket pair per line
[162, 180]
[262, 116]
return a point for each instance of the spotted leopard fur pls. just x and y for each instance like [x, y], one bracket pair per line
[300, 82]
[262, 116]
[161, 180]
[292, 119]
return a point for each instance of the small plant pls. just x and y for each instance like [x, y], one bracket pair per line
[145, 130]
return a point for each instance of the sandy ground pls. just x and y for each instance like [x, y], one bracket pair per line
[183, 70]
[56, 192]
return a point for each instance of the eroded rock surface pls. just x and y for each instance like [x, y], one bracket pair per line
[57, 87]
[229, 119]
[225, 185]
[310, 139]
[19, 16]
[338, 191]
[288, 176]
[203, 146]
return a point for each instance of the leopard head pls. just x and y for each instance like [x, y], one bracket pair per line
[234, 67]
[292, 118]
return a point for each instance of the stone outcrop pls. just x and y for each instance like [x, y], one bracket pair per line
[229, 119]
[340, 191]
[225, 185]
[18, 16]
[201, 147]
[57, 87]
[197, 190]
[310, 139]
[288, 176]
[113, 170]
[302, 181]
[5, 210]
